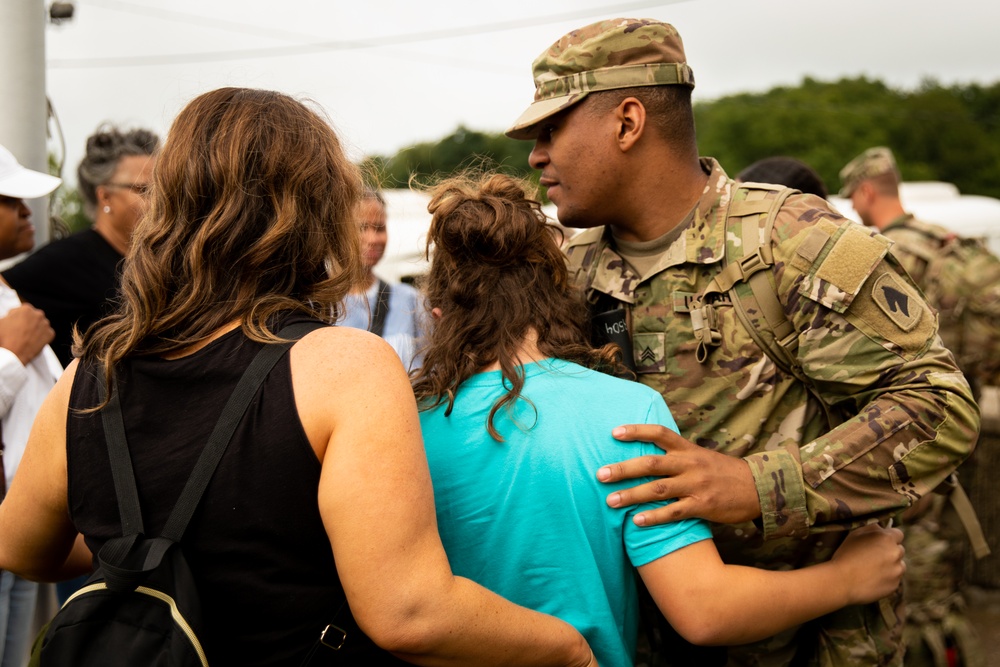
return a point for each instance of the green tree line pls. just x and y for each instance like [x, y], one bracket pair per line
[938, 133]
[943, 133]
[462, 149]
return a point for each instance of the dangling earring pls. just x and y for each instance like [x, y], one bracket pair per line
[107, 209]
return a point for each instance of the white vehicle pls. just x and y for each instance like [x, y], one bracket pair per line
[932, 201]
[940, 203]
[407, 221]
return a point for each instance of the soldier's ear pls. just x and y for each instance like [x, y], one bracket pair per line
[866, 190]
[630, 116]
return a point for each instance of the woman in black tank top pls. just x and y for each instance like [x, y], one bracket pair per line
[323, 493]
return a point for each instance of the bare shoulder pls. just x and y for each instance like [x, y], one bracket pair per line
[61, 391]
[347, 378]
[50, 422]
[343, 350]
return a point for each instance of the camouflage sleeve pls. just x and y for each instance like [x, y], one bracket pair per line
[869, 342]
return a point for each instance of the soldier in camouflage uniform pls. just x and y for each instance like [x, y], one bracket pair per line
[614, 140]
[937, 629]
[871, 182]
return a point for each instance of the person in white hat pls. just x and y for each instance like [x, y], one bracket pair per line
[75, 279]
[28, 369]
[19, 182]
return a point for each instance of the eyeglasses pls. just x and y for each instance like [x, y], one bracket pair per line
[141, 189]
[11, 202]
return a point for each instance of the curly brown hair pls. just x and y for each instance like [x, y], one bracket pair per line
[497, 273]
[252, 212]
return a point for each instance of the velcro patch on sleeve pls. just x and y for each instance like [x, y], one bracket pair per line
[851, 260]
[813, 245]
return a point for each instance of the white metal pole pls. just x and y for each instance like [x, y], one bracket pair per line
[24, 111]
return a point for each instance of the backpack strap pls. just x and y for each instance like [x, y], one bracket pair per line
[747, 283]
[749, 218]
[232, 414]
[121, 462]
[755, 291]
[945, 242]
[377, 325]
[966, 513]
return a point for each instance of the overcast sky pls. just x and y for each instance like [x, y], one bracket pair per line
[390, 73]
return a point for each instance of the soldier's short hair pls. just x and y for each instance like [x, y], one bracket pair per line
[668, 108]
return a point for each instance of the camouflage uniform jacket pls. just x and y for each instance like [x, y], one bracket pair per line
[913, 233]
[914, 242]
[935, 542]
[866, 339]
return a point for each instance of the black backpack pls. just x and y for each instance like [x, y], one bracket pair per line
[141, 605]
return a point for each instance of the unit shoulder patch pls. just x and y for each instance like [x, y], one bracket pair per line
[894, 298]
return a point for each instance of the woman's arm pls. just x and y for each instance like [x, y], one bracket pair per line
[36, 535]
[709, 602]
[376, 500]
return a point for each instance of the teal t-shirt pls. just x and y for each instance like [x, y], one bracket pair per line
[527, 517]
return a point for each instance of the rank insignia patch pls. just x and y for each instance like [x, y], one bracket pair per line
[648, 349]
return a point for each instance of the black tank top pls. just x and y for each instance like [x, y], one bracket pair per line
[257, 546]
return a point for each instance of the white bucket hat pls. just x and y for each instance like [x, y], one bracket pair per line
[21, 182]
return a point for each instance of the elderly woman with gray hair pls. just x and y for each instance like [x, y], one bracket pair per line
[73, 280]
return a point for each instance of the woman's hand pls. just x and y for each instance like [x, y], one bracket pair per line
[872, 561]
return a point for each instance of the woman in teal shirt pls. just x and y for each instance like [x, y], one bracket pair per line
[517, 418]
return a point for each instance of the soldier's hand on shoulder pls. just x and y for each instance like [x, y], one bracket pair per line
[706, 484]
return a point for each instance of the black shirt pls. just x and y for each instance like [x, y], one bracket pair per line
[73, 280]
[257, 545]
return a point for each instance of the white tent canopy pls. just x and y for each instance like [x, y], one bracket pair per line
[940, 203]
[407, 223]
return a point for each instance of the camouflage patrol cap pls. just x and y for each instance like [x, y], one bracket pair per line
[873, 162]
[616, 53]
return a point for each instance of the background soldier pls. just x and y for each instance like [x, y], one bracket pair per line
[881, 414]
[960, 278]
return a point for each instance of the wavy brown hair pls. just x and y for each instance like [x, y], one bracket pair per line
[497, 272]
[252, 213]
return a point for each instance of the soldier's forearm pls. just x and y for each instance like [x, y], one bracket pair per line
[907, 442]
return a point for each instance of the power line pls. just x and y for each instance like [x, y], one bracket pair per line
[315, 47]
[201, 21]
